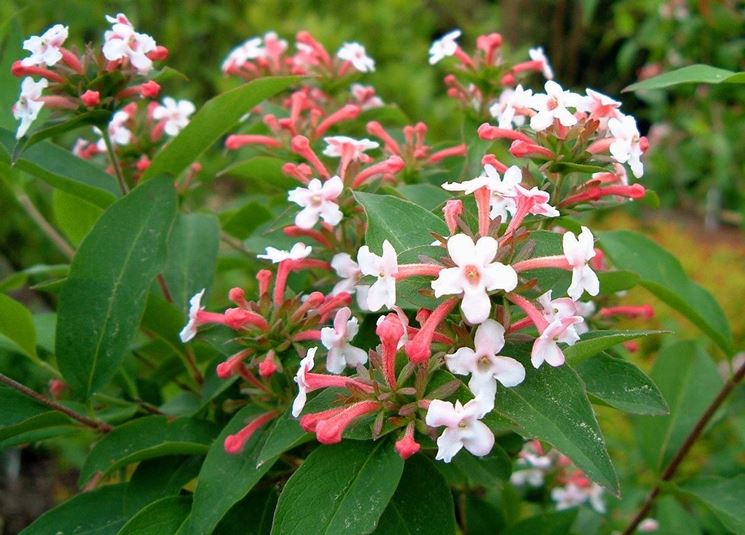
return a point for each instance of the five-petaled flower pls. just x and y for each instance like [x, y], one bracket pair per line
[627, 144]
[546, 347]
[484, 364]
[553, 105]
[383, 291]
[45, 48]
[355, 54]
[174, 114]
[123, 42]
[537, 54]
[475, 274]
[29, 104]
[337, 340]
[318, 201]
[578, 252]
[297, 252]
[444, 47]
[464, 428]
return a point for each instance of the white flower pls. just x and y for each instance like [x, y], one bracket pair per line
[546, 347]
[28, 106]
[574, 495]
[355, 54]
[554, 106]
[383, 291]
[503, 190]
[600, 107]
[123, 42]
[537, 54]
[305, 366]
[117, 129]
[463, 428]
[484, 365]
[626, 146]
[365, 96]
[347, 147]
[561, 308]
[248, 50]
[443, 47]
[175, 114]
[350, 274]
[507, 110]
[195, 306]
[317, 201]
[578, 252]
[298, 252]
[45, 48]
[336, 339]
[475, 275]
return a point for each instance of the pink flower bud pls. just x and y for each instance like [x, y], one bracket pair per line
[159, 54]
[453, 210]
[238, 296]
[234, 443]
[268, 366]
[91, 98]
[150, 89]
[406, 446]
[330, 431]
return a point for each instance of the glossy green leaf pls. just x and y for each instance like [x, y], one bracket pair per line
[98, 512]
[103, 299]
[688, 379]
[74, 216]
[244, 221]
[427, 196]
[62, 170]
[225, 478]
[251, 516]
[421, 504]
[192, 256]
[620, 384]
[612, 282]
[401, 222]
[692, 74]
[89, 118]
[488, 471]
[558, 523]
[339, 489]
[263, 173]
[595, 342]
[146, 438]
[724, 496]
[212, 121]
[160, 517]
[551, 404]
[674, 519]
[156, 478]
[662, 274]
[20, 414]
[17, 325]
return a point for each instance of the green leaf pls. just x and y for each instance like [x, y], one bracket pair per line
[156, 478]
[192, 256]
[427, 196]
[551, 404]
[244, 221]
[212, 121]
[421, 504]
[622, 385]
[724, 496]
[595, 342]
[662, 274]
[225, 479]
[559, 523]
[674, 519]
[263, 173]
[62, 170]
[98, 512]
[689, 381]
[251, 516]
[692, 74]
[74, 216]
[489, 471]
[146, 438]
[17, 324]
[339, 489]
[20, 414]
[92, 117]
[612, 282]
[401, 222]
[103, 299]
[160, 517]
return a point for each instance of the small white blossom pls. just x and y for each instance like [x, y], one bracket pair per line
[298, 252]
[45, 48]
[123, 42]
[175, 114]
[385, 267]
[463, 428]
[250, 49]
[553, 105]
[574, 495]
[561, 308]
[626, 146]
[355, 54]
[337, 340]
[508, 109]
[444, 47]
[195, 306]
[578, 252]
[347, 147]
[503, 190]
[317, 201]
[29, 104]
[302, 396]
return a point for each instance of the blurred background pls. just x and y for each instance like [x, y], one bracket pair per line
[696, 163]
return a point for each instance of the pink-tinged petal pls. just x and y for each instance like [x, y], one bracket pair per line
[354, 356]
[486, 249]
[566, 118]
[330, 213]
[344, 266]
[307, 218]
[489, 339]
[299, 403]
[369, 262]
[448, 282]
[329, 337]
[335, 361]
[484, 387]
[508, 371]
[448, 444]
[389, 260]
[462, 249]
[476, 305]
[590, 281]
[462, 362]
[332, 188]
[442, 413]
[479, 440]
[541, 121]
[377, 295]
[340, 321]
[498, 276]
[572, 250]
[586, 243]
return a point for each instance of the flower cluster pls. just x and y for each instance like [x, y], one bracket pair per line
[486, 280]
[96, 80]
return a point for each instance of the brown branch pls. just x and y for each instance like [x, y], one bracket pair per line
[98, 425]
[45, 226]
[701, 424]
